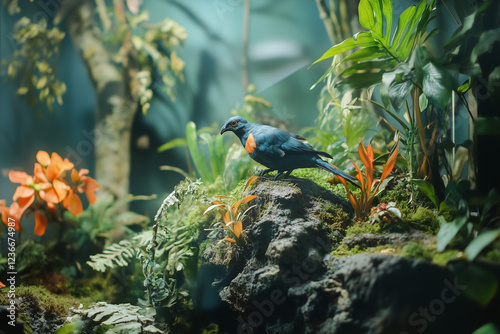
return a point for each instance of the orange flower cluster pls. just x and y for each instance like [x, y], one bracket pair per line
[49, 187]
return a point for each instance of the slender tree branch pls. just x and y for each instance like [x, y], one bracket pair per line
[324, 15]
[246, 23]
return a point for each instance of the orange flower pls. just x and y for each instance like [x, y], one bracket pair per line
[73, 203]
[13, 213]
[85, 184]
[55, 166]
[49, 184]
[25, 193]
[49, 172]
[40, 223]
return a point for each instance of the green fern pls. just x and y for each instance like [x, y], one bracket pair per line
[125, 318]
[119, 254]
[169, 247]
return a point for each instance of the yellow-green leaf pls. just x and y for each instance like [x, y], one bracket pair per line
[22, 90]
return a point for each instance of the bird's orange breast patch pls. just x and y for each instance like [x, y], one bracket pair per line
[250, 144]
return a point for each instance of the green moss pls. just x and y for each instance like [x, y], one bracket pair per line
[343, 250]
[399, 195]
[415, 250]
[334, 217]
[364, 227]
[443, 258]
[425, 219]
[37, 300]
[321, 178]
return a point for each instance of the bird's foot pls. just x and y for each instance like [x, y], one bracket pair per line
[264, 172]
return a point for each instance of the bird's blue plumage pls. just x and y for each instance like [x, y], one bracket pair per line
[278, 149]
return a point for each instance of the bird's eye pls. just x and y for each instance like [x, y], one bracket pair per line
[234, 123]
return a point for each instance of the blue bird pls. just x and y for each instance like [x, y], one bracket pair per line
[279, 150]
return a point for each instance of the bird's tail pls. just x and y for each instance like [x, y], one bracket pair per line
[326, 166]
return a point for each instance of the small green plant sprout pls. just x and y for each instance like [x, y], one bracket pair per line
[385, 213]
[370, 187]
[232, 214]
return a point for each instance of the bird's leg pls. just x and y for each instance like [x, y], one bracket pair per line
[287, 173]
[277, 175]
[265, 171]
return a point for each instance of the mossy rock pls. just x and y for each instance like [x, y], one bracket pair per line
[40, 310]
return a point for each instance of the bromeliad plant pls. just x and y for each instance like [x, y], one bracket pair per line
[232, 214]
[370, 187]
[48, 192]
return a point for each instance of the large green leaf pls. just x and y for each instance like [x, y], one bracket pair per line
[484, 239]
[428, 189]
[359, 80]
[387, 11]
[366, 17]
[398, 91]
[436, 85]
[477, 283]
[177, 142]
[198, 157]
[370, 65]
[403, 21]
[367, 53]
[362, 39]
[407, 41]
[489, 328]
[448, 231]
[485, 43]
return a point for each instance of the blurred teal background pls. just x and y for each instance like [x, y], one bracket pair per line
[285, 37]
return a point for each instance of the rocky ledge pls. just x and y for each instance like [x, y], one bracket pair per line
[284, 279]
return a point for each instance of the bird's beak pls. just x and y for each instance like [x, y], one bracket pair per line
[223, 129]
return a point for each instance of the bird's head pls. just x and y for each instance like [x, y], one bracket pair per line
[235, 124]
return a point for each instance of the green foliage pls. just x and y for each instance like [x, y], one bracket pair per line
[370, 187]
[34, 64]
[340, 124]
[150, 47]
[103, 217]
[252, 104]
[402, 67]
[147, 50]
[170, 247]
[31, 256]
[489, 328]
[479, 232]
[211, 159]
[379, 52]
[122, 318]
[232, 215]
[120, 254]
[472, 39]
[482, 285]
[214, 146]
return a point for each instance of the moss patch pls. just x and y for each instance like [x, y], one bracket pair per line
[425, 219]
[343, 250]
[364, 227]
[40, 310]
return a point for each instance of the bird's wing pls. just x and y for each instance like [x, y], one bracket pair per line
[269, 140]
[276, 141]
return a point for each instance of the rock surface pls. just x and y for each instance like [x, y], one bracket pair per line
[285, 281]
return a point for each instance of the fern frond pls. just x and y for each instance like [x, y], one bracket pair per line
[119, 254]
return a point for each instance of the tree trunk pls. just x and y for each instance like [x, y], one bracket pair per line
[116, 106]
